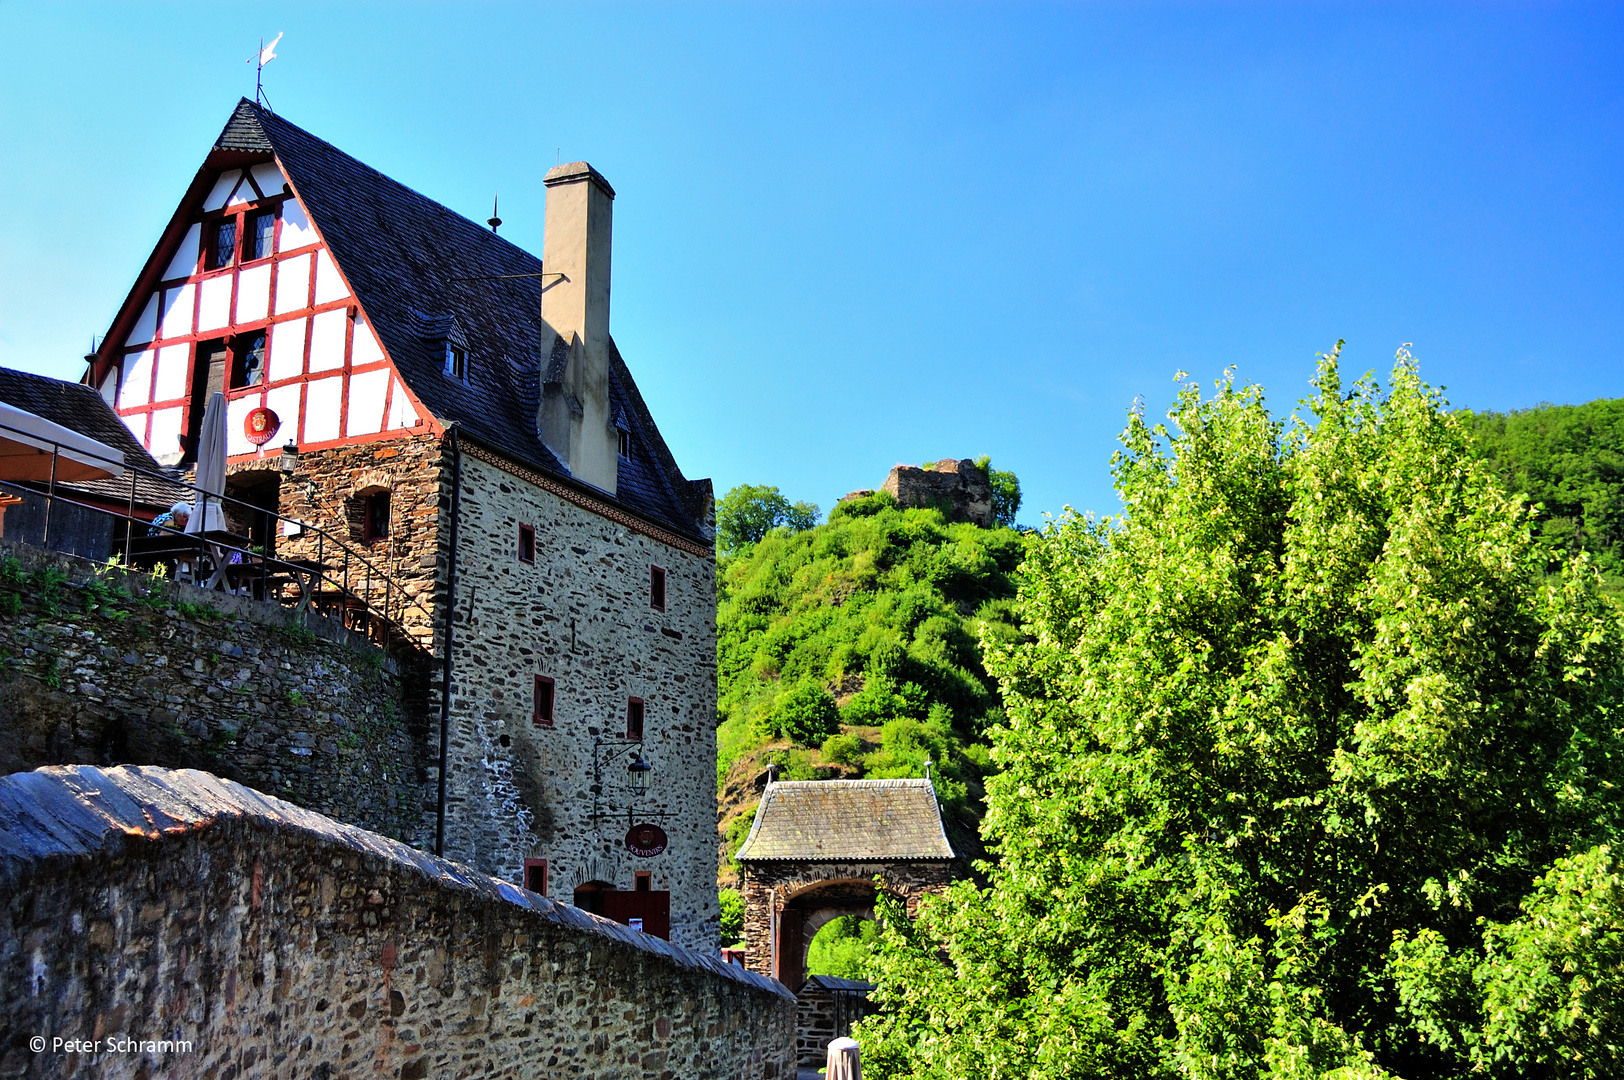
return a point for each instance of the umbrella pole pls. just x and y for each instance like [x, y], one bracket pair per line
[50, 495]
[129, 523]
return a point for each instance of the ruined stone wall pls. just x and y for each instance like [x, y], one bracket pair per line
[109, 667]
[769, 885]
[580, 614]
[958, 488]
[265, 941]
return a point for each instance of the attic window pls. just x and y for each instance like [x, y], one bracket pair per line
[623, 443]
[261, 230]
[223, 248]
[456, 361]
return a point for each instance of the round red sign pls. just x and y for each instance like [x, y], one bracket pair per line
[646, 841]
[260, 426]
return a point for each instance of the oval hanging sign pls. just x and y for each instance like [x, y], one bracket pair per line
[645, 841]
[260, 426]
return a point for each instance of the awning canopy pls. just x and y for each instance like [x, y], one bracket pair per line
[27, 442]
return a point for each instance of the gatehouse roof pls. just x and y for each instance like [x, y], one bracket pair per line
[866, 820]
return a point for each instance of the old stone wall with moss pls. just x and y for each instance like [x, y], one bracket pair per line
[180, 925]
[100, 667]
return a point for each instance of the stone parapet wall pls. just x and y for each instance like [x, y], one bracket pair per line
[153, 905]
[100, 667]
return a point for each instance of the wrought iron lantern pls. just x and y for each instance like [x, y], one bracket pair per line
[638, 772]
[290, 458]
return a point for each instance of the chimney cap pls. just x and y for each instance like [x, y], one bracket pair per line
[574, 172]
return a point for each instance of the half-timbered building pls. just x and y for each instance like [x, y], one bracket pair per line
[459, 410]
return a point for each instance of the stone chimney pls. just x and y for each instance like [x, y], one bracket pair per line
[575, 417]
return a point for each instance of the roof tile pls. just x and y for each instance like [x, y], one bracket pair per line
[820, 820]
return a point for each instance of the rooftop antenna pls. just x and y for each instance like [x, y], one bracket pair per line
[265, 55]
[493, 221]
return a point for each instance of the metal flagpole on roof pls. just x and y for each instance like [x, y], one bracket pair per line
[265, 55]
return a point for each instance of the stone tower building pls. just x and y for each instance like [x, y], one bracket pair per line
[458, 407]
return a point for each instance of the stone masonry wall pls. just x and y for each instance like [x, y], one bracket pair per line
[580, 615]
[327, 489]
[769, 885]
[261, 940]
[109, 667]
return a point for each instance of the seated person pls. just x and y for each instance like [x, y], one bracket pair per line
[176, 519]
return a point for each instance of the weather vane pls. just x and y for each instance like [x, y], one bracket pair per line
[266, 54]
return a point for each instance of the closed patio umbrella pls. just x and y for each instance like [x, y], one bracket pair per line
[211, 469]
[26, 442]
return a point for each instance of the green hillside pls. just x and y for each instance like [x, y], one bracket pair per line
[1570, 458]
[850, 649]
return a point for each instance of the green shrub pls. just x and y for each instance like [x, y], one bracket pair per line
[842, 749]
[732, 916]
[806, 715]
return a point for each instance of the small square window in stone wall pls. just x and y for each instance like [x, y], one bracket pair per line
[535, 876]
[634, 718]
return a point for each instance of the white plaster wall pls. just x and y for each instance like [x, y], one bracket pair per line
[177, 304]
[322, 400]
[174, 364]
[185, 260]
[216, 198]
[296, 230]
[147, 325]
[214, 303]
[327, 340]
[292, 284]
[253, 293]
[287, 349]
[401, 412]
[580, 615]
[329, 285]
[367, 391]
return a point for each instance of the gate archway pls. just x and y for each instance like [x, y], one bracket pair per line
[814, 852]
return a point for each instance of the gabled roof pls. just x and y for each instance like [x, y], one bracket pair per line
[80, 408]
[408, 259]
[867, 820]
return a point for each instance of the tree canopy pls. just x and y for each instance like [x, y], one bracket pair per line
[1309, 769]
[1569, 459]
[749, 511]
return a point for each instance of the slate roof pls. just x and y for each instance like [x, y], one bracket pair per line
[404, 255]
[80, 408]
[822, 820]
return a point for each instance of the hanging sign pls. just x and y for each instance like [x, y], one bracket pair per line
[645, 841]
[261, 426]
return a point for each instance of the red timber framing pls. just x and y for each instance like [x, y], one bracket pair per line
[153, 287]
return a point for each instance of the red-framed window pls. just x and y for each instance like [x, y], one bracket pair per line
[220, 249]
[527, 543]
[643, 881]
[541, 710]
[634, 718]
[656, 588]
[535, 876]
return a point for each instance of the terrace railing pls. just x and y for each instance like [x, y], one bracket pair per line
[331, 576]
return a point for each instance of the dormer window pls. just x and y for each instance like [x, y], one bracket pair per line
[623, 442]
[456, 362]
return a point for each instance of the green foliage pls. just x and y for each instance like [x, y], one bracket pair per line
[1569, 459]
[1542, 994]
[1311, 693]
[843, 947]
[879, 610]
[732, 916]
[204, 613]
[806, 714]
[750, 511]
[1006, 492]
[842, 749]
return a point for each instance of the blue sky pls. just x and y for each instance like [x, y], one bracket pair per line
[854, 235]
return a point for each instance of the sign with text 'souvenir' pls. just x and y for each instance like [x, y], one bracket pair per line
[646, 841]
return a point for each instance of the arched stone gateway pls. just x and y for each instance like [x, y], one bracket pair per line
[814, 851]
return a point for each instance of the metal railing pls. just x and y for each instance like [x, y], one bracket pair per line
[339, 580]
